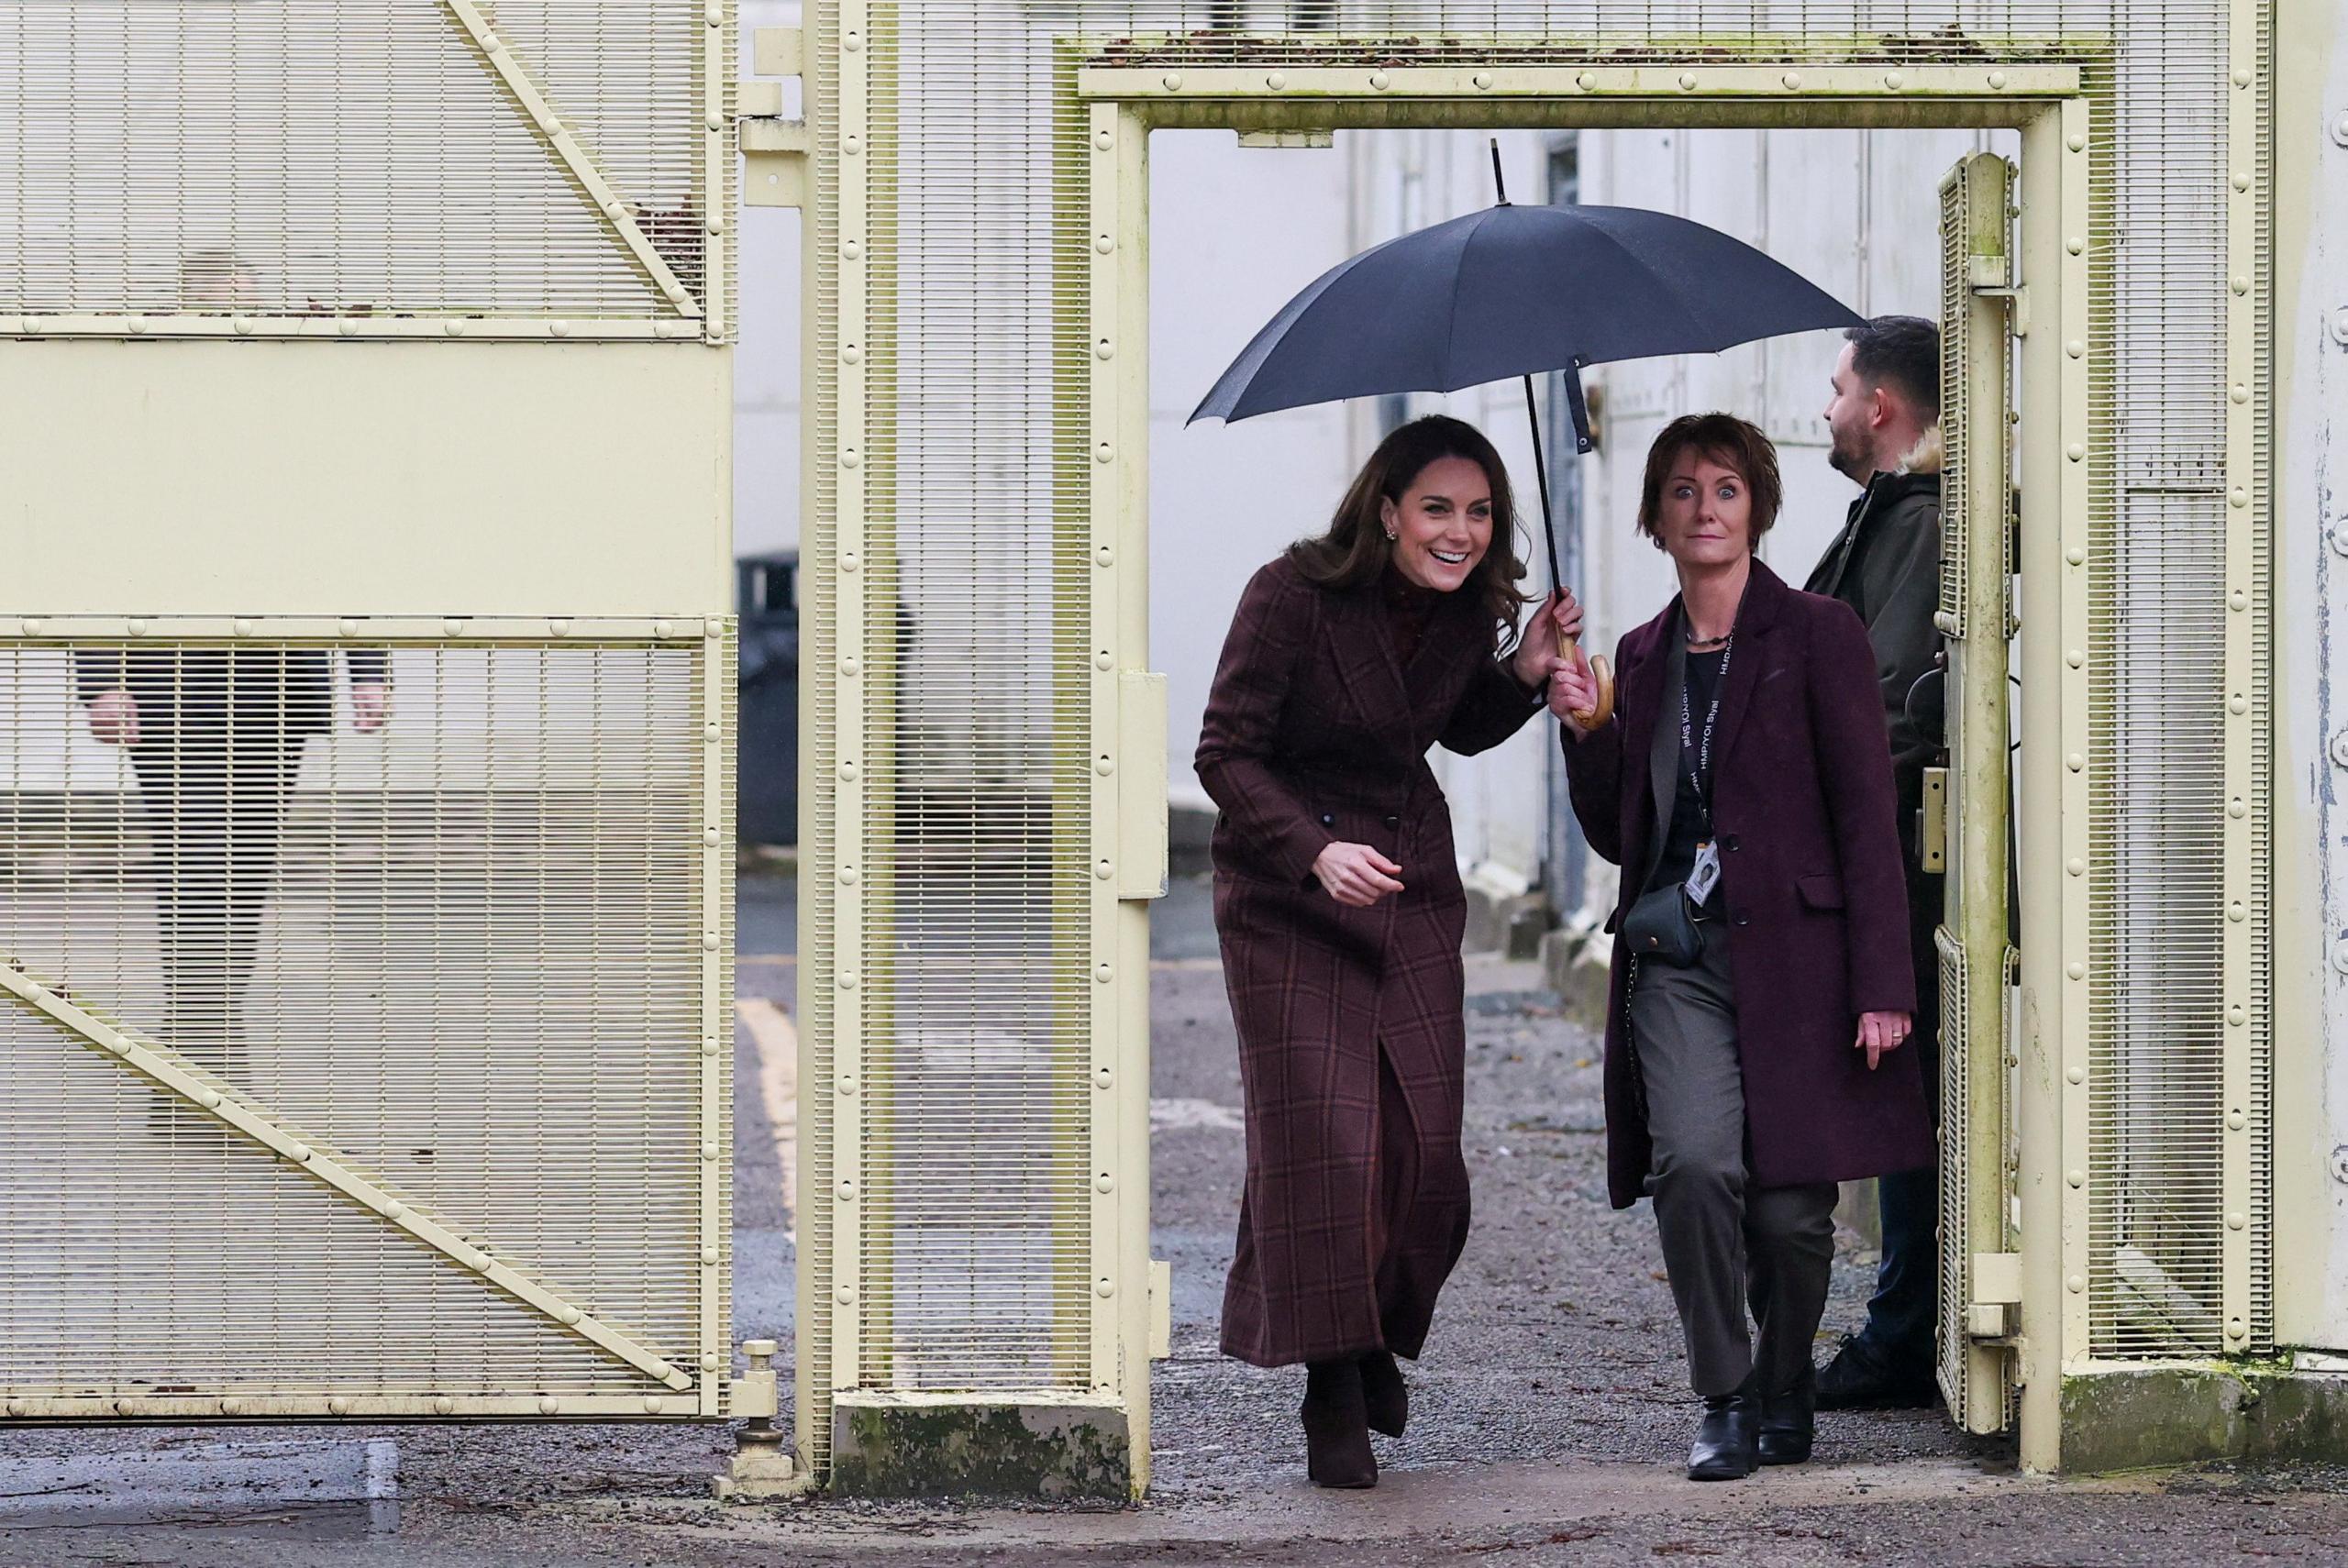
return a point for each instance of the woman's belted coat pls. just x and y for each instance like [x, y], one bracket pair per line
[1352, 1044]
[1814, 899]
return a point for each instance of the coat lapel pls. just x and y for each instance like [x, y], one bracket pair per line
[1365, 659]
[1663, 745]
[1765, 595]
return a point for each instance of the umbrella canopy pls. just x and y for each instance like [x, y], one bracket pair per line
[1511, 290]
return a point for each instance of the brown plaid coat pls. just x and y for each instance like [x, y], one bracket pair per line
[1351, 1043]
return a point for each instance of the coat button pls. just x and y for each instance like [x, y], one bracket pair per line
[1393, 822]
[1728, 842]
[1740, 920]
[1327, 819]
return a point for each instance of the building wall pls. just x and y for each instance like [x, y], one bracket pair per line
[2311, 590]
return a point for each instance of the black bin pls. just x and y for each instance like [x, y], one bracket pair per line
[766, 596]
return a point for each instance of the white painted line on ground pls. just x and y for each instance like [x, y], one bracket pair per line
[776, 1040]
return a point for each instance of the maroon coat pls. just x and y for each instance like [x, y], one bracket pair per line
[1355, 1205]
[1812, 886]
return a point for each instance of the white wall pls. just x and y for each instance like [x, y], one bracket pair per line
[765, 359]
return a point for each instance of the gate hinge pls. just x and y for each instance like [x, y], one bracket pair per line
[1995, 1296]
[2016, 298]
[1931, 821]
[753, 1395]
[774, 149]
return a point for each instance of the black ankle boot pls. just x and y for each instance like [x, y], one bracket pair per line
[1727, 1446]
[1789, 1422]
[1384, 1392]
[1336, 1426]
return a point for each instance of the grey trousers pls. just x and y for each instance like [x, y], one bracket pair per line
[1726, 1245]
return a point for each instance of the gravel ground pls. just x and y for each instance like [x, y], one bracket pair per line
[1549, 1419]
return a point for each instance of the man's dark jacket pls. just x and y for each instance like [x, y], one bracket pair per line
[1885, 564]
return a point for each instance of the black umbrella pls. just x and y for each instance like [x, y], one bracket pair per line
[1511, 290]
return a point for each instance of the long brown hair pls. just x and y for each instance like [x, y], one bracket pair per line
[1355, 550]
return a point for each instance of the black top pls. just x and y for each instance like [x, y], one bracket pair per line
[1687, 804]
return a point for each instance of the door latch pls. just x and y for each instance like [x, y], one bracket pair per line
[1931, 821]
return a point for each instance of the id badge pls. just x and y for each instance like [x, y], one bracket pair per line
[1707, 874]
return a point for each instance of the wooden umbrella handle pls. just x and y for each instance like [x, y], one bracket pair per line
[1591, 718]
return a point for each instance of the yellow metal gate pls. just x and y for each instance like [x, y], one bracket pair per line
[366, 708]
[1980, 1271]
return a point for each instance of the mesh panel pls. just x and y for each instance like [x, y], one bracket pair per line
[284, 158]
[1955, 1133]
[462, 952]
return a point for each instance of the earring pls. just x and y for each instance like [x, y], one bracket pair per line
[1392, 536]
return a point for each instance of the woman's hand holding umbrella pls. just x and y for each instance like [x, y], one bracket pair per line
[1578, 688]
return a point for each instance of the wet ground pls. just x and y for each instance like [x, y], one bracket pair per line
[1549, 1415]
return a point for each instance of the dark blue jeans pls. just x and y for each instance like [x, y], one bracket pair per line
[1903, 1312]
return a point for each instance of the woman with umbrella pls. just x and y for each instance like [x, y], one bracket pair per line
[1338, 902]
[1761, 982]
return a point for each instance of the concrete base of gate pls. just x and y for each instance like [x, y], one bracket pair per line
[2136, 1418]
[911, 1445]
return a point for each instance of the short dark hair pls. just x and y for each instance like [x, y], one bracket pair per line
[1903, 352]
[1355, 551]
[1729, 441]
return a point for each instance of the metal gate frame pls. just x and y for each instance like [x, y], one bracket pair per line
[698, 1382]
[2050, 104]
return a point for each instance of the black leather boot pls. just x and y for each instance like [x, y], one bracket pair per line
[1858, 1379]
[1385, 1393]
[1336, 1426]
[1789, 1421]
[1727, 1444]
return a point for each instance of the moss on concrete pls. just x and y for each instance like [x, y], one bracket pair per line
[884, 1447]
[2144, 1417]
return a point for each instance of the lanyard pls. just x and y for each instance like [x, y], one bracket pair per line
[1701, 777]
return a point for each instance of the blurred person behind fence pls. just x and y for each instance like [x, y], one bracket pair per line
[1760, 988]
[1339, 906]
[214, 735]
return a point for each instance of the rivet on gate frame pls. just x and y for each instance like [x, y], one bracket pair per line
[1171, 81]
[2240, 181]
[654, 1404]
[846, 981]
[2076, 1283]
[453, 626]
[1104, 453]
[2236, 1330]
[1893, 80]
[852, 41]
[2075, 452]
[2075, 556]
[2075, 867]
[2074, 762]
[2075, 348]
[2236, 1120]
[2074, 657]
[2236, 1016]
[228, 1407]
[136, 628]
[1104, 1183]
[2235, 1219]
[1104, 243]
[1997, 81]
[1102, 1077]
[2238, 497]
[851, 560]
[848, 877]
[1105, 1287]
[1379, 81]
[244, 629]
[2075, 244]
[845, 1296]
[1103, 973]
[1105, 766]
[2237, 599]
[851, 666]
[338, 1406]
[709, 1045]
[1104, 555]
[1483, 81]
[2242, 78]
[1586, 81]
[1104, 869]
[851, 355]
[2237, 910]
[2075, 1075]
[1104, 659]
[2076, 142]
[2076, 971]
[1686, 81]
[852, 250]
[395, 1211]
[1793, 81]
[2077, 1178]
[443, 1405]
[548, 1405]
[2237, 393]
[661, 628]
[2237, 808]
[1275, 80]
[1104, 350]
[1102, 141]
[2237, 704]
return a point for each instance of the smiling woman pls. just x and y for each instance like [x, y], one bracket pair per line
[1339, 910]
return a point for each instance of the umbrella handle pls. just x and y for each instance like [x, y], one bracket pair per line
[1593, 717]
